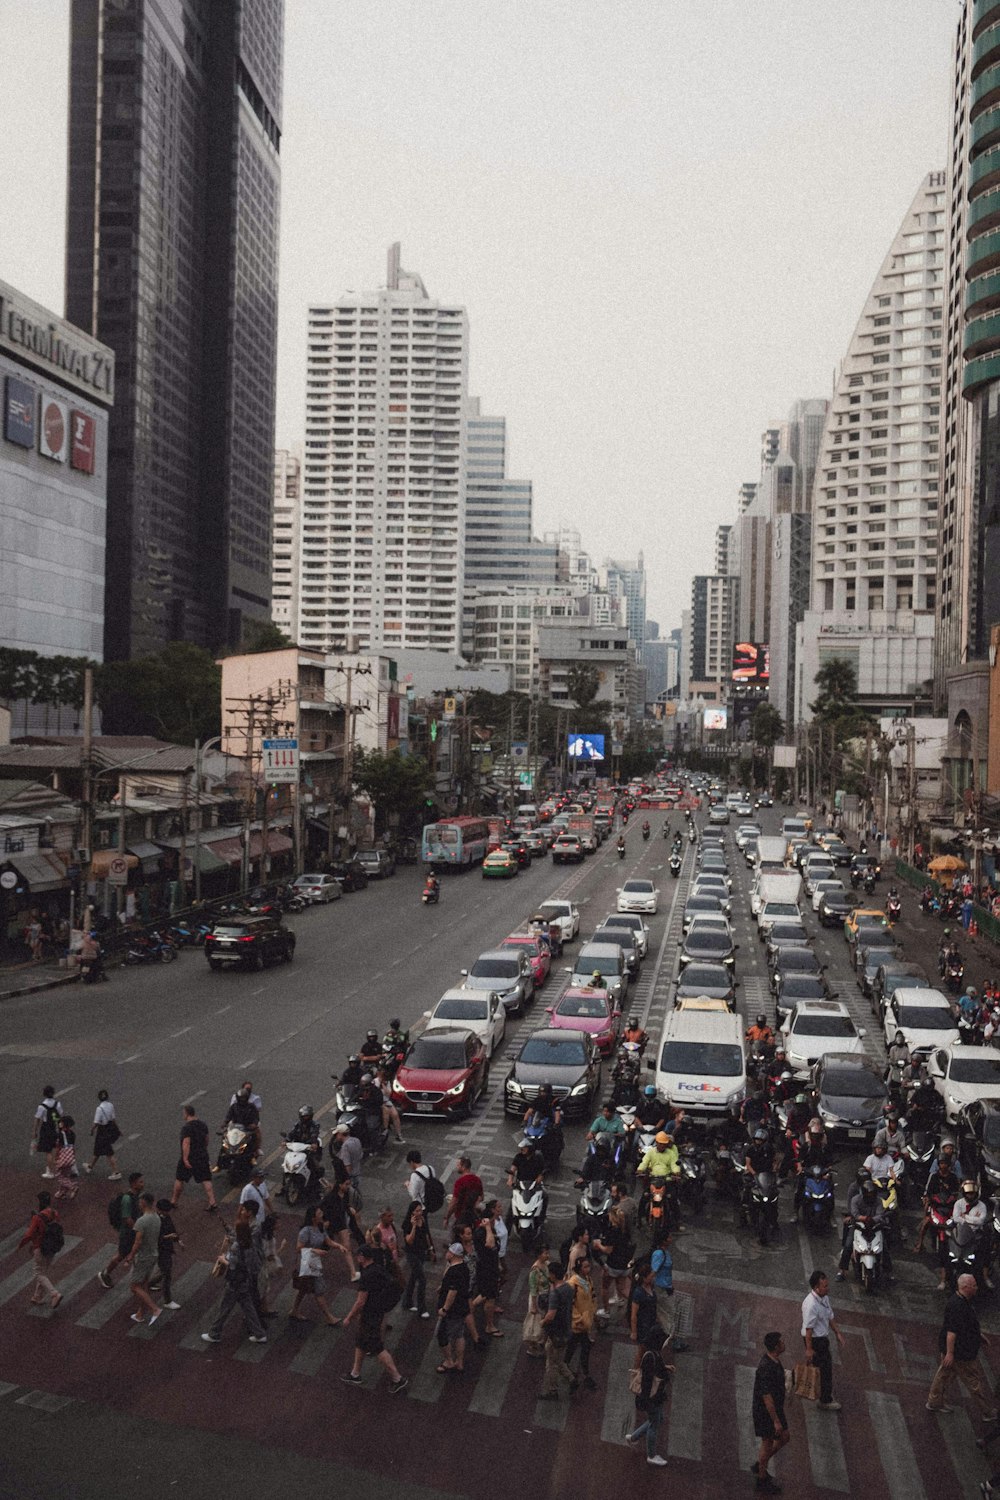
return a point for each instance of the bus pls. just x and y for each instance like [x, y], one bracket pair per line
[455, 843]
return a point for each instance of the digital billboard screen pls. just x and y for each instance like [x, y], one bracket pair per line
[716, 718]
[586, 746]
[751, 662]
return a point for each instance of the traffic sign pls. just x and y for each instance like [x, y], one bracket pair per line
[8, 880]
[118, 870]
[281, 761]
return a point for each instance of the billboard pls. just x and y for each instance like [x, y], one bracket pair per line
[588, 747]
[716, 718]
[751, 662]
[83, 439]
[53, 435]
[19, 413]
[784, 755]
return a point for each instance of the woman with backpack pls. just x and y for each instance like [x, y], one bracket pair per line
[45, 1136]
[44, 1235]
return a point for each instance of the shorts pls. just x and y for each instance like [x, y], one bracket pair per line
[488, 1284]
[126, 1239]
[617, 1273]
[200, 1170]
[452, 1329]
[369, 1338]
[759, 1429]
[309, 1285]
[141, 1272]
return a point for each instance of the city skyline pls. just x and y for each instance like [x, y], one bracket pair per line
[743, 318]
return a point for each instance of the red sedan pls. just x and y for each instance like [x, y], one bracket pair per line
[538, 953]
[444, 1073]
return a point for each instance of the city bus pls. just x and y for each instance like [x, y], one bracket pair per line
[455, 843]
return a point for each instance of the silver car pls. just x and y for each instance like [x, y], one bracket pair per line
[318, 888]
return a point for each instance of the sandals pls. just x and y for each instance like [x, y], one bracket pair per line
[446, 1369]
[494, 1333]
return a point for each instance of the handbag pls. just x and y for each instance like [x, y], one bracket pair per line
[531, 1328]
[806, 1383]
[635, 1381]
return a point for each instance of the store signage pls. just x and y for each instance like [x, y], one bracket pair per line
[20, 402]
[53, 430]
[58, 349]
[83, 442]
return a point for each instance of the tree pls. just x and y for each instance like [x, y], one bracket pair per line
[837, 682]
[766, 726]
[262, 635]
[175, 694]
[583, 683]
[397, 785]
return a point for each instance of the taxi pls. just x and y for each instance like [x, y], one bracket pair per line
[863, 916]
[500, 865]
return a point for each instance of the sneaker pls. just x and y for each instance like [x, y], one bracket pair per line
[631, 1439]
[425, 1314]
[829, 1405]
[413, 1309]
[351, 1379]
[112, 1176]
[154, 1317]
[658, 1461]
[87, 1168]
[398, 1140]
[395, 1386]
[841, 1276]
[356, 1277]
[255, 1340]
[939, 1408]
[136, 1318]
[211, 1338]
[105, 1280]
[48, 1174]
[171, 1307]
[985, 1488]
[614, 1301]
[768, 1486]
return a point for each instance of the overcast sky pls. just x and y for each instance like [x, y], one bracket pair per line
[663, 217]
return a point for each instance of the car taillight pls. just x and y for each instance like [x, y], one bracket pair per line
[247, 939]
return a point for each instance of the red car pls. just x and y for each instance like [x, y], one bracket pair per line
[538, 953]
[444, 1072]
[584, 1009]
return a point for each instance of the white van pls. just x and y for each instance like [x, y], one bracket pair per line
[528, 810]
[701, 1067]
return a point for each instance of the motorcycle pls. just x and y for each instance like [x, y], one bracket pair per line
[954, 976]
[594, 1206]
[727, 1172]
[657, 1206]
[675, 866]
[548, 1138]
[919, 1151]
[965, 1254]
[817, 1200]
[625, 1076]
[868, 1247]
[430, 895]
[645, 832]
[528, 1207]
[761, 1212]
[666, 830]
[150, 950]
[869, 885]
[393, 1055]
[621, 851]
[969, 1034]
[297, 1180]
[893, 910]
[691, 1187]
[236, 1154]
[365, 1124]
[692, 836]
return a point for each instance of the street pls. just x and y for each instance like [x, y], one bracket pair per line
[77, 1385]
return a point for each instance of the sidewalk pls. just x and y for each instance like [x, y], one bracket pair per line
[33, 975]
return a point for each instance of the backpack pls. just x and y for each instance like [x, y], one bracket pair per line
[433, 1191]
[116, 1211]
[53, 1239]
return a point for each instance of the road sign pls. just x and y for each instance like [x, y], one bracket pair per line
[525, 779]
[281, 760]
[118, 870]
[8, 880]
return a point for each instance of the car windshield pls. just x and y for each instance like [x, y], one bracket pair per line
[494, 968]
[708, 940]
[939, 1019]
[428, 1053]
[555, 908]
[548, 1052]
[853, 1083]
[802, 959]
[876, 957]
[604, 964]
[703, 1059]
[708, 976]
[787, 932]
[461, 1010]
[592, 1007]
[975, 1070]
[776, 909]
[823, 1026]
[638, 887]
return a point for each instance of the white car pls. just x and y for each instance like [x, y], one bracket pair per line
[638, 895]
[318, 888]
[745, 832]
[776, 911]
[925, 1017]
[814, 1027]
[718, 814]
[816, 870]
[481, 1012]
[566, 914]
[822, 887]
[962, 1075]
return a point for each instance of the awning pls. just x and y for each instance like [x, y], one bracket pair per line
[43, 872]
[101, 860]
[149, 855]
[209, 862]
[231, 850]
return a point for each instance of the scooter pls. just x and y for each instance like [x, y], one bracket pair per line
[692, 836]
[236, 1154]
[365, 1124]
[594, 1206]
[965, 1254]
[868, 1247]
[893, 909]
[919, 1152]
[528, 1206]
[691, 1187]
[92, 969]
[645, 832]
[297, 1181]
[621, 851]
[675, 866]
[817, 1200]
[430, 895]
[149, 951]
[954, 975]
[548, 1138]
[762, 1210]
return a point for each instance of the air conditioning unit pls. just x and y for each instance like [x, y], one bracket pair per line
[81, 856]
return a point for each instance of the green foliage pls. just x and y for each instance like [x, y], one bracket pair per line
[262, 635]
[396, 785]
[583, 683]
[175, 694]
[837, 682]
[41, 679]
[766, 726]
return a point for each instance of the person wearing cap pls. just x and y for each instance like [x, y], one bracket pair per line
[970, 1209]
[351, 1153]
[376, 1293]
[256, 1196]
[453, 1308]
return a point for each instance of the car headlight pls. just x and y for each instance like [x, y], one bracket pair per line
[513, 1087]
[954, 1099]
[458, 1089]
[580, 1088]
[397, 1087]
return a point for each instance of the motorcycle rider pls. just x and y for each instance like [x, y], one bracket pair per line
[350, 1078]
[947, 1152]
[650, 1112]
[370, 1051]
[243, 1112]
[760, 1031]
[899, 1058]
[758, 1156]
[891, 1135]
[528, 1166]
[645, 829]
[660, 1163]
[634, 1033]
[864, 1202]
[372, 1101]
[941, 1191]
[970, 1209]
[395, 1041]
[306, 1131]
[432, 886]
[815, 1153]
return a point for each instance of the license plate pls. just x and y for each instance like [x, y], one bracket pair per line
[856, 1134]
[427, 1109]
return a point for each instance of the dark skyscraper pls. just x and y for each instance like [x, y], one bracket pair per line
[172, 260]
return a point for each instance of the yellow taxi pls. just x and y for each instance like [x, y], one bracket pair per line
[702, 1002]
[500, 865]
[863, 916]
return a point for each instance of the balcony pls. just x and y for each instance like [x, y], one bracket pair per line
[983, 215]
[985, 91]
[982, 336]
[985, 132]
[979, 373]
[982, 255]
[983, 294]
[984, 13]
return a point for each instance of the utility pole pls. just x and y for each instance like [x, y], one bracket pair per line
[349, 673]
[87, 789]
[260, 715]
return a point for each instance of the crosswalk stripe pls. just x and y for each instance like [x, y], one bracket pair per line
[744, 1417]
[426, 1384]
[18, 1280]
[319, 1342]
[110, 1303]
[184, 1289]
[959, 1438]
[619, 1403]
[686, 1401]
[491, 1387]
[900, 1468]
[10, 1244]
[77, 1279]
[826, 1451]
[552, 1414]
[6, 1386]
[252, 1354]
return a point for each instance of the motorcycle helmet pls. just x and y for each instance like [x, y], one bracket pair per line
[969, 1189]
[688, 1148]
[868, 1188]
[354, 1058]
[864, 1175]
[366, 1078]
[760, 1134]
[760, 1020]
[394, 1024]
[816, 1170]
[779, 1052]
[900, 1038]
[787, 1073]
[524, 1141]
[306, 1112]
[650, 1091]
[371, 1036]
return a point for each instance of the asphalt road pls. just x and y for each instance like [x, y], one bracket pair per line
[158, 1036]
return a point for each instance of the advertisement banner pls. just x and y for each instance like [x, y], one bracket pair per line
[83, 442]
[19, 413]
[53, 430]
[588, 747]
[392, 727]
[784, 755]
[716, 718]
[751, 662]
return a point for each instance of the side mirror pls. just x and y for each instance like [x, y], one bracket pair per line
[464, 973]
[862, 1031]
[550, 1010]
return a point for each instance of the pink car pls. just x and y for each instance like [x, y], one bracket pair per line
[538, 953]
[583, 1009]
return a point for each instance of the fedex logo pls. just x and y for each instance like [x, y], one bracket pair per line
[699, 1088]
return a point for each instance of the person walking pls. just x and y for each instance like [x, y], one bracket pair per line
[242, 1269]
[557, 1325]
[419, 1248]
[123, 1211]
[45, 1137]
[768, 1411]
[817, 1325]
[142, 1259]
[351, 1154]
[959, 1341]
[453, 1309]
[336, 1210]
[67, 1176]
[584, 1310]
[377, 1294]
[642, 1310]
[193, 1162]
[106, 1133]
[651, 1397]
[169, 1243]
[313, 1245]
[466, 1191]
[256, 1196]
[538, 1291]
[488, 1267]
[43, 1237]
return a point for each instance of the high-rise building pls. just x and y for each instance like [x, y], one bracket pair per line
[286, 541]
[713, 598]
[383, 518]
[875, 502]
[628, 581]
[723, 549]
[172, 259]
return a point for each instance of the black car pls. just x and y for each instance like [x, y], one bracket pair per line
[834, 908]
[797, 963]
[852, 1094]
[978, 1127]
[625, 939]
[840, 854]
[350, 875]
[896, 975]
[711, 980]
[868, 961]
[520, 850]
[860, 865]
[710, 945]
[376, 863]
[782, 936]
[568, 1060]
[249, 942]
[791, 987]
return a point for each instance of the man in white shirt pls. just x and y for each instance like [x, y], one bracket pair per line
[970, 1209]
[256, 1196]
[817, 1325]
[880, 1164]
[416, 1183]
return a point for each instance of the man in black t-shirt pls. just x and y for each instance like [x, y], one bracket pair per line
[768, 1411]
[193, 1163]
[453, 1309]
[376, 1293]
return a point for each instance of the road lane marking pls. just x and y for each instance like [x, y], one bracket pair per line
[134, 1058]
[134, 1137]
[61, 1093]
[248, 1064]
[826, 1451]
[22, 1278]
[686, 1406]
[193, 1097]
[900, 1467]
[260, 991]
[619, 1401]
[181, 1032]
[744, 1401]
[222, 1012]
